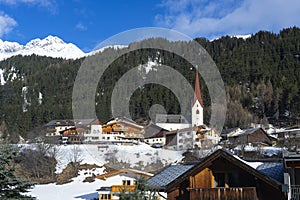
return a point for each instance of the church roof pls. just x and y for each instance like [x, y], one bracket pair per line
[197, 93]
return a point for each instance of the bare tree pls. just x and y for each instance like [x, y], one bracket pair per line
[75, 154]
[38, 163]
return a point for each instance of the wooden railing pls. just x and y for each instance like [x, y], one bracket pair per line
[122, 188]
[295, 192]
[245, 193]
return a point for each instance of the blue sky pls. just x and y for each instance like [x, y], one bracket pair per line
[86, 23]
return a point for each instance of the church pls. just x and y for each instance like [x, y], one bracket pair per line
[184, 134]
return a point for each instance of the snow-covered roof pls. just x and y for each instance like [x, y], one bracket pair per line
[244, 132]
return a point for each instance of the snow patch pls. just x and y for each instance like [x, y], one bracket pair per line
[115, 47]
[90, 154]
[2, 80]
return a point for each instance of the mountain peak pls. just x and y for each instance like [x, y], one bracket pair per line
[51, 46]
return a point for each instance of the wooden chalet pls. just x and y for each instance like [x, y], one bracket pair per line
[220, 176]
[122, 180]
[230, 131]
[122, 128]
[254, 136]
[71, 136]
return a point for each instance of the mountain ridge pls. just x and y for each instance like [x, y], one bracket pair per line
[51, 46]
[55, 47]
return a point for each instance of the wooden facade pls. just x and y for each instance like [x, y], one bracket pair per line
[253, 136]
[222, 176]
[128, 129]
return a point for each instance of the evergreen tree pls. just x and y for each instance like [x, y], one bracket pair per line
[11, 186]
[141, 192]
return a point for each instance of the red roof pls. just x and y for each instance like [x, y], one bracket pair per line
[197, 93]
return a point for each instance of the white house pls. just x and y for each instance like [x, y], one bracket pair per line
[193, 137]
[119, 181]
[94, 135]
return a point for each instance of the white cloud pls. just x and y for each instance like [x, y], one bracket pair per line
[49, 4]
[80, 26]
[6, 24]
[204, 18]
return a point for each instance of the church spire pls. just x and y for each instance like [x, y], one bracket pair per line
[197, 93]
[197, 108]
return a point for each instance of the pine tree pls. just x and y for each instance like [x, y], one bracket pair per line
[141, 191]
[11, 186]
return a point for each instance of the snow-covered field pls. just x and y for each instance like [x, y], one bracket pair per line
[90, 154]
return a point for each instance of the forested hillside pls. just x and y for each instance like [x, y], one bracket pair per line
[261, 76]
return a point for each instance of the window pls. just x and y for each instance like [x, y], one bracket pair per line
[219, 179]
[126, 182]
[197, 112]
[105, 196]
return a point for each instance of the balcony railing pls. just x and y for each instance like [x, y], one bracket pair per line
[245, 193]
[295, 192]
[122, 188]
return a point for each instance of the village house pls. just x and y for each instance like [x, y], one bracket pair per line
[192, 138]
[74, 131]
[122, 180]
[221, 176]
[229, 131]
[121, 130]
[54, 127]
[182, 139]
[206, 137]
[93, 136]
[71, 136]
[253, 136]
[155, 135]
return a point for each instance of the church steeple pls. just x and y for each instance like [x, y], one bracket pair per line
[197, 107]
[197, 93]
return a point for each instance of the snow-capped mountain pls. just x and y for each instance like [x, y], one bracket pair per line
[51, 46]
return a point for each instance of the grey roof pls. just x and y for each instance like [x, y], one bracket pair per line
[167, 175]
[154, 131]
[273, 170]
[229, 130]
[61, 122]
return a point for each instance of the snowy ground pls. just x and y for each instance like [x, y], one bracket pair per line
[90, 154]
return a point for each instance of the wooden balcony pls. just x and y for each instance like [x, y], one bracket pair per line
[245, 193]
[121, 188]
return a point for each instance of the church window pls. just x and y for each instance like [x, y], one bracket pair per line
[197, 111]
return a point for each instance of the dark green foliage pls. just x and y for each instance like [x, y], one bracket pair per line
[261, 76]
[11, 186]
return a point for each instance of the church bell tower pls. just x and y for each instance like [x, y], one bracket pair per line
[197, 105]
